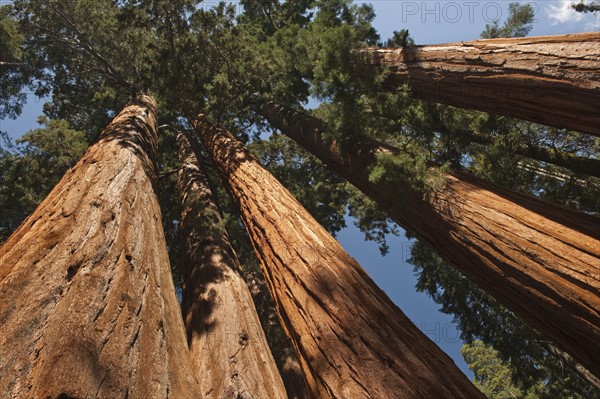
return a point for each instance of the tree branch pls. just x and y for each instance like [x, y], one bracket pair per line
[111, 72]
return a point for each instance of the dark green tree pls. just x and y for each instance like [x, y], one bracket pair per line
[591, 7]
[531, 358]
[10, 47]
[518, 23]
[30, 168]
[492, 376]
[92, 56]
[400, 38]
[15, 74]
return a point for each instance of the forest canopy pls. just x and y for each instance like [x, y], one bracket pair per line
[89, 58]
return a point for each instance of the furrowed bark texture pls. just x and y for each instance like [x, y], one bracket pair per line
[229, 350]
[352, 341]
[539, 259]
[552, 80]
[87, 302]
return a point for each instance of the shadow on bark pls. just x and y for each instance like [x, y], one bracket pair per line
[352, 340]
[538, 258]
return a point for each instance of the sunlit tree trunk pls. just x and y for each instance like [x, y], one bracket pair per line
[552, 80]
[539, 259]
[352, 341]
[230, 353]
[87, 302]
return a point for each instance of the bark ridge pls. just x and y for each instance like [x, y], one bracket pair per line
[87, 302]
[552, 80]
[352, 341]
[228, 347]
[540, 259]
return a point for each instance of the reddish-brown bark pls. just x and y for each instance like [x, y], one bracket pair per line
[87, 302]
[229, 350]
[552, 80]
[352, 341]
[539, 259]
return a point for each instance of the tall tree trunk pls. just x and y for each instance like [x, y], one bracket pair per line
[87, 301]
[352, 341]
[539, 259]
[293, 376]
[584, 373]
[283, 351]
[228, 347]
[575, 163]
[552, 80]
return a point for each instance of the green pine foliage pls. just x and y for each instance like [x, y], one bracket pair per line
[408, 171]
[92, 56]
[492, 376]
[400, 38]
[10, 45]
[518, 24]
[592, 6]
[30, 168]
[13, 78]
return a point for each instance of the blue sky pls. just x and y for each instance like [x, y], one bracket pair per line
[429, 22]
[434, 22]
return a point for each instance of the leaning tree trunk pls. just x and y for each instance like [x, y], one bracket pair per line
[229, 350]
[87, 302]
[352, 341]
[575, 163]
[539, 259]
[553, 80]
[565, 358]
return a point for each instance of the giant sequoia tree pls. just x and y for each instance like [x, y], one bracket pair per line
[228, 347]
[513, 246]
[348, 334]
[92, 55]
[578, 164]
[552, 80]
[532, 358]
[87, 302]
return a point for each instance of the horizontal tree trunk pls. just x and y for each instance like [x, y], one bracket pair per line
[352, 341]
[87, 301]
[552, 80]
[539, 259]
[229, 350]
